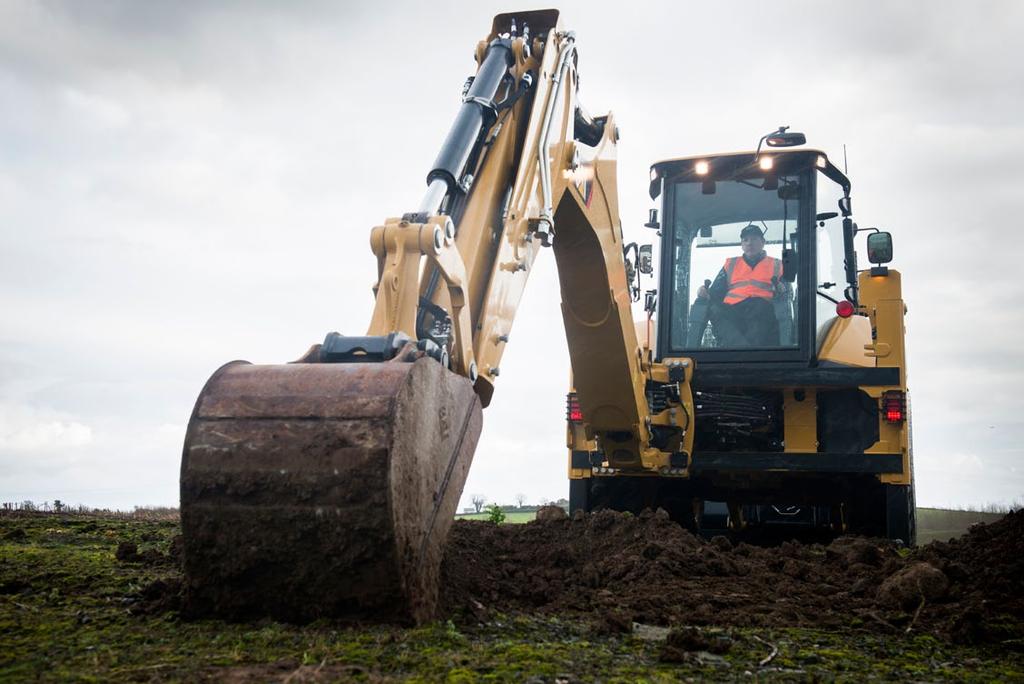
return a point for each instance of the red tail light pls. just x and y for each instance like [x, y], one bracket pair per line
[844, 308]
[572, 408]
[894, 407]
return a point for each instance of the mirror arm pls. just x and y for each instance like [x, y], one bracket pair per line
[779, 131]
[849, 230]
[759, 143]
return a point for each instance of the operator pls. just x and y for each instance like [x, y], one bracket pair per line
[741, 296]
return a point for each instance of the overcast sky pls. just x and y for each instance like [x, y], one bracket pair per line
[185, 183]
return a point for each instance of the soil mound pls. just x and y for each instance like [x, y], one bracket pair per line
[620, 568]
[128, 552]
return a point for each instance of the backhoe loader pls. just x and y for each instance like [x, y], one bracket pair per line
[799, 401]
[327, 486]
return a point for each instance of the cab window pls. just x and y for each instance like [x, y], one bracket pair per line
[828, 232]
[728, 290]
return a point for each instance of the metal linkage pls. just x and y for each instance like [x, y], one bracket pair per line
[546, 224]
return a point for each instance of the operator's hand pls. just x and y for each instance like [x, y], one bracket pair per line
[702, 292]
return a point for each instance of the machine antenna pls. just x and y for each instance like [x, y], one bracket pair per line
[845, 171]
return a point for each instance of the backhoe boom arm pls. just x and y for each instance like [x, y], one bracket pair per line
[516, 179]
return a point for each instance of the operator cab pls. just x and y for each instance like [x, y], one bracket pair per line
[754, 257]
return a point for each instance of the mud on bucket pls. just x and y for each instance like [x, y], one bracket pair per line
[323, 490]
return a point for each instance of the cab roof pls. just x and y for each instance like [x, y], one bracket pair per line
[671, 167]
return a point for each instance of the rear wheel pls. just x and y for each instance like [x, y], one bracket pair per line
[885, 510]
[901, 513]
[579, 495]
[866, 512]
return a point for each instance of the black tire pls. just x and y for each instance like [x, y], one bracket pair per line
[866, 513]
[901, 514]
[579, 495]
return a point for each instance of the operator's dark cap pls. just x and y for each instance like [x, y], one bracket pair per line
[751, 229]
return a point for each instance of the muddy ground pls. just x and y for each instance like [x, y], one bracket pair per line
[617, 569]
[607, 597]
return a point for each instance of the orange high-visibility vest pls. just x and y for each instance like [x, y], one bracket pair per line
[746, 282]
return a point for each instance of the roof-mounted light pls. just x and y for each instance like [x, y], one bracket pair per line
[766, 163]
[821, 161]
[701, 168]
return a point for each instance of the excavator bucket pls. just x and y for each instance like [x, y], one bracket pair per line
[315, 490]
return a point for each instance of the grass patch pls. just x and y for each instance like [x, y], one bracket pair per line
[943, 524]
[516, 517]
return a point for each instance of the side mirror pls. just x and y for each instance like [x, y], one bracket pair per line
[825, 216]
[650, 301]
[880, 248]
[789, 264]
[646, 259]
[784, 139]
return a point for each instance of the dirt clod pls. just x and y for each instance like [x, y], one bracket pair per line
[684, 643]
[613, 622]
[127, 552]
[551, 512]
[159, 596]
[915, 583]
[721, 543]
[692, 639]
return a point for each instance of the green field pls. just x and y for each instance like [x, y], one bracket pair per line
[942, 524]
[510, 517]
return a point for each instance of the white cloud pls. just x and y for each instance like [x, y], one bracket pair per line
[24, 428]
[961, 463]
[103, 111]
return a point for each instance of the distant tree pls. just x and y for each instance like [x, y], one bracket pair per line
[58, 505]
[478, 502]
[520, 500]
[28, 505]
